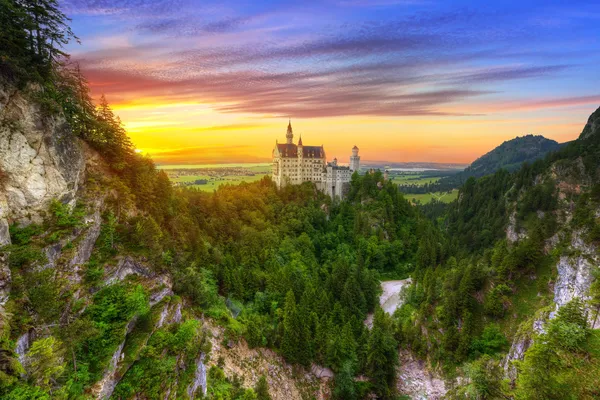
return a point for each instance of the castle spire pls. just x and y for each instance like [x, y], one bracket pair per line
[300, 141]
[290, 134]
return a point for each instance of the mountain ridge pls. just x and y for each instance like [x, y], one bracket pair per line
[509, 155]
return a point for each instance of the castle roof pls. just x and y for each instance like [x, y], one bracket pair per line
[291, 151]
[335, 166]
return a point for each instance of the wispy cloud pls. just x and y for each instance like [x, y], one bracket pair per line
[291, 60]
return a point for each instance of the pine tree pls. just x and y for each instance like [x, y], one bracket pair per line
[344, 386]
[294, 343]
[342, 349]
[382, 355]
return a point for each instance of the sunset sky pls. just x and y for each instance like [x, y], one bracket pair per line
[208, 82]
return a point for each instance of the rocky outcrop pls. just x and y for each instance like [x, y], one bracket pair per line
[285, 382]
[40, 159]
[106, 386]
[512, 233]
[23, 344]
[517, 351]
[575, 273]
[417, 381]
[128, 266]
[574, 279]
[86, 245]
[199, 381]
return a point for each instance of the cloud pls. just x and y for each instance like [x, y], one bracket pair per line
[414, 64]
[509, 73]
[539, 104]
[207, 155]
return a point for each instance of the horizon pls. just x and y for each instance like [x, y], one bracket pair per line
[405, 81]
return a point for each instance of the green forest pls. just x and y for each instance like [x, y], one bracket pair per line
[291, 269]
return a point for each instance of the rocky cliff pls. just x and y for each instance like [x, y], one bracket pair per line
[40, 160]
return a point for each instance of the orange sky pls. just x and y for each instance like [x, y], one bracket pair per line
[196, 133]
[406, 81]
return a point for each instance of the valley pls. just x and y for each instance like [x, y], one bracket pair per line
[124, 279]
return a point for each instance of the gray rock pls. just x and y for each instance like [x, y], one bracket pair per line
[86, 246]
[574, 279]
[199, 379]
[517, 351]
[512, 235]
[128, 266]
[106, 386]
[40, 160]
[22, 347]
[575, 272]
[157, 297]
[52, 255]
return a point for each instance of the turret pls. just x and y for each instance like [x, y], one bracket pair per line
[354, 160]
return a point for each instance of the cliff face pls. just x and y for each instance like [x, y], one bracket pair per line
[40, 160]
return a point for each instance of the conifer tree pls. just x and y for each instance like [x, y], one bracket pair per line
[293, 344]
[382, 355]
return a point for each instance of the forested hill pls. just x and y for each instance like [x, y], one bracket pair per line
[513, 304]
[509, 156]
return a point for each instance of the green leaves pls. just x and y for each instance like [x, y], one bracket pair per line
[44, 362]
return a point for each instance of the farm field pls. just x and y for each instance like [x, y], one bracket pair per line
[413, 179]
[418, 179]
[215, 175]
[427, 197]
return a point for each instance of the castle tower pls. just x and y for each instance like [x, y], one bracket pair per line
[354, 160]
[289, 135]
[300, 158]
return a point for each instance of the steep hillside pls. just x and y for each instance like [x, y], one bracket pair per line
[511, 306]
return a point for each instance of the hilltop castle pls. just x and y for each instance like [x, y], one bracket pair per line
[294, 164]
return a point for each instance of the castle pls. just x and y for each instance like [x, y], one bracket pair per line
[294, 164]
